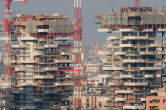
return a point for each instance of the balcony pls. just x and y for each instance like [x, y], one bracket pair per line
[123, 91]
[27, 84]
[63, 38]
[51, 69]
[148, 76]
[103, 30]
[39, 70]
[126, 76]
[43, 30]
[65, 53]
[28, 38]
[136, 84]
[126, 30]
[111, 84]
[114, 83]
[119, 53]
[112, 38]
[150, 68]
[57, 84]
[20, 69]
[17, 47]
[37, 53]
[158, 75]
[112, 68]
[26, 61]
[143, 99]
[154, 91]
[133, 60]
[155, 45]
[120, 99]
[135, 37]
[64, 84]
[147, 30]
[64, 61]
[126, 45]
[133, 107]
[51, 46]
[146, 53]
[43, 77]
[161, 30]
[14, 61]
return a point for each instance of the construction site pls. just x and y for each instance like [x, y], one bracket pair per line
[45, 65]
[135, 55]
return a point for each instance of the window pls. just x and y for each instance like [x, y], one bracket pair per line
[43, 26]
[100, 104]
[153, 108]
[164, 101]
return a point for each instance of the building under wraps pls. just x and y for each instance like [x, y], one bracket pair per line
[135, 57]
[42, 61]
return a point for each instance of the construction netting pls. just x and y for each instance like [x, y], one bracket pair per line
[134, 18]
[51, 26]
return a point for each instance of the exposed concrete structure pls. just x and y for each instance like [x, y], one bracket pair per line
[135, 57]
[42, 61]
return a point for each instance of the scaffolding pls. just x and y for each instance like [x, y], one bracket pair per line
[133, 17]
[135, 55]
[42, 59]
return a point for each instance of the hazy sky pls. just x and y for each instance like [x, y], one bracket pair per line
[90, 8]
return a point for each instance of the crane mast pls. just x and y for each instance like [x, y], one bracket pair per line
[137, 3]
[77, 54]
[7, 47]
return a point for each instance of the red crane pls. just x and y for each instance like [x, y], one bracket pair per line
[7, 34]
[7, 45]
[77, 54]
[137, 3]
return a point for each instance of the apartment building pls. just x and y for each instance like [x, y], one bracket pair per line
[42, 61]
[135, 55]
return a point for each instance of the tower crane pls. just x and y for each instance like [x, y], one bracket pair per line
[77, 54]
[7, 46]
[7, 34]
[137, 3]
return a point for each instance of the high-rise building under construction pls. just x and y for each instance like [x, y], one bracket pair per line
[42, 61]
[135, 57]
